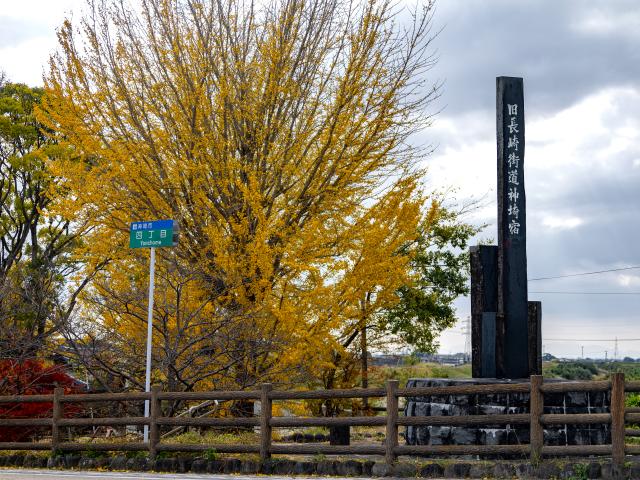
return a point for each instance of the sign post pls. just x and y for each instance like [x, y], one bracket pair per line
[159, 233]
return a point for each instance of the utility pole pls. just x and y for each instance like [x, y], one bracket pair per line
[615, 350]
[467, 338]
[582, 352]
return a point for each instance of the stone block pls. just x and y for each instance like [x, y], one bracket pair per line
[462, 401]
[440, 435]
[489, 409]
[71, 461]
[610, 471]
[577, 399]
[249, 467]
[367, 468]
[555, 436]
[554, 410]
[349, 468]
[283, 467]
[464, 436]
[431, 470]
[547, 470]
[570, 471]
[231, 465]
[215, 466]
[304, 468]
[138, 464]
[480, 470]
[457, 470]
[492, 436]
[517, 436]
[421, 409]
[86, 464]
[184, 464]
[379, 470]
[634, 471]
[403, 470]
[525, 470]
[504, 470]
[326, 467]
[490, 404]
[553, 400]
[199, 465]
[120, 463]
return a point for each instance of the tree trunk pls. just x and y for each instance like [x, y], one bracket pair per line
[365, 363]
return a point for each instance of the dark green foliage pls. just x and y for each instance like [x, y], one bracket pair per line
[631, 370]
[34, 245]
[575, 370]
[441, 264]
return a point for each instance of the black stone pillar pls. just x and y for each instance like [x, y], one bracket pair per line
[506, 327]
[512, 331]
[484, 259]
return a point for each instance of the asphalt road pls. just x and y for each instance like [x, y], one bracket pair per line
[24, 474]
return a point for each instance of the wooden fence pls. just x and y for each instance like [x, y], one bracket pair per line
[391, 449]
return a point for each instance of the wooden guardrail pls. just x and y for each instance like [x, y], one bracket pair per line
[536, 418]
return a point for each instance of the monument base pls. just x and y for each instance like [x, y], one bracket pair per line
[502, 403]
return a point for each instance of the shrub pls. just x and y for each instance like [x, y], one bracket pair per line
[31, 377]
[575, 370]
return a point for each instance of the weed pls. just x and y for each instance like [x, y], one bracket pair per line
[136, 454]
[319, 457]
[210, 454]
[581, 471]
[91, 453]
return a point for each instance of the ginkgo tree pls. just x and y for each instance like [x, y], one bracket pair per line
[276, 134]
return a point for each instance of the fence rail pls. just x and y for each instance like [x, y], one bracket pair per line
[616, 418]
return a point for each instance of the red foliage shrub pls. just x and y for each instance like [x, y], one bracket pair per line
[31, 377]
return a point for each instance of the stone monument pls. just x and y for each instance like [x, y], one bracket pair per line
[505, 326]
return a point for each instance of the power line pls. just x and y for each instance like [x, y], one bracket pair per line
[591, 340]
[588, 293]
[586, 273]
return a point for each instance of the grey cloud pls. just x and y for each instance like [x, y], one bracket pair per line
[537, 39]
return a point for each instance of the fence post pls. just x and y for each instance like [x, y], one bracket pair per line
[391, 436]
[536, 409]
[154, 429]
[617, 421]
[56, 415]
[265, 422]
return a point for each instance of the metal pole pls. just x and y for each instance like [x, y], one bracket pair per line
[147, 384]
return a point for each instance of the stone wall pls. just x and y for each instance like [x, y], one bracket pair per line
[504, 403]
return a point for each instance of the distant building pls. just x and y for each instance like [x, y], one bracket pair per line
[451, 359]
[388, 360]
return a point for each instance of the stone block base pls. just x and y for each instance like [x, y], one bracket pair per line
[502, 403]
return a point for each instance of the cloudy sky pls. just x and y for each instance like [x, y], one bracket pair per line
[580, 61]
